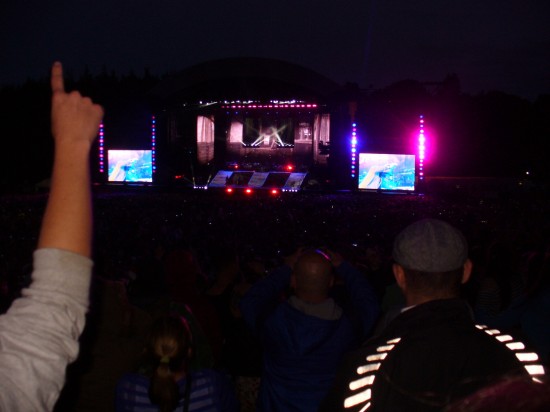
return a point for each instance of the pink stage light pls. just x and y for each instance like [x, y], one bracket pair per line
[421, 147]
[248, 191]
[274, 192]
[270, 106]
[153, 143]
[353, 149]
[229, 190]
[101, 140]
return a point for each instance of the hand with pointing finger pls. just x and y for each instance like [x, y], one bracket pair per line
[74, 118]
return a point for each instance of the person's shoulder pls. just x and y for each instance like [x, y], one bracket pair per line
[132, 380]
[207, 374]
[210, 379]
[204, 372]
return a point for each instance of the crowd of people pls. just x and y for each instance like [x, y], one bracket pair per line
[204, 301]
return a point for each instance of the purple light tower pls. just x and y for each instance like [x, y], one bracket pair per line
[101, 141]
[421, 149]
[153, 143]
[353, 150]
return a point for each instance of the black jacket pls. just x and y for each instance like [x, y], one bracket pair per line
[427, 357]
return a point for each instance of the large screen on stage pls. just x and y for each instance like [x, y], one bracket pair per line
[130, 165]
[268, 133]
[384, 171]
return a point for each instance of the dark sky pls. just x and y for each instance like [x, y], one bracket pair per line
[490, 44]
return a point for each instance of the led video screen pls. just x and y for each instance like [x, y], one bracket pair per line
[130, 165]
[268, 133]
[384, 171]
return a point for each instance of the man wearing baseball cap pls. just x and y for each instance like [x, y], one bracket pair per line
[432, 353]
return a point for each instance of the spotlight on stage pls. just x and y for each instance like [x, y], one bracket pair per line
[229, 190]
[274, 192]
[289, 167]
[248, 191]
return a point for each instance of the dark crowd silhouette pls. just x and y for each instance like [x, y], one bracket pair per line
[197, 253]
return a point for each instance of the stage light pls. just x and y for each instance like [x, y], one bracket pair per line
[153, 143]
[229, 190]
[274, 192]
[353, 149]
[248, 191]
[101, 139]
[289, 168]
[421, 146]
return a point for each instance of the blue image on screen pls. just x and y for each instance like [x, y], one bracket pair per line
[378, 171]
[130, 166]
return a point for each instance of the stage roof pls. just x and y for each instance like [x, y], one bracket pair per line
[244, 78]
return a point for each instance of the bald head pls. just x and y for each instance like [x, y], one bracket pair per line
[312, 276]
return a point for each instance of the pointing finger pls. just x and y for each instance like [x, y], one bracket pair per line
[57, 78]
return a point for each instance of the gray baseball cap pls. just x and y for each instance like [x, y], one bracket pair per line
[430, 245]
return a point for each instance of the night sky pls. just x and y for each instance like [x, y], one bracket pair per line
[492, 45]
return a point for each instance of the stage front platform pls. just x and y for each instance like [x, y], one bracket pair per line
[285, 181]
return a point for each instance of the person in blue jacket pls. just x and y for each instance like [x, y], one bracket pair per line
[305, 336]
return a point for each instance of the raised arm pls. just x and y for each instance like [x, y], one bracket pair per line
[264, 296]
[67, 222]
[39, 333]
[364, 303]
